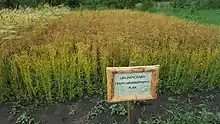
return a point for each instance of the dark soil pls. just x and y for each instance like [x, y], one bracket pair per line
[4, 114]
[80, 112]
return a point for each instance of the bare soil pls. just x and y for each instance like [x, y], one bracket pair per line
[79, 112]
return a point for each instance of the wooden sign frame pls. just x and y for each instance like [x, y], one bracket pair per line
[114, 70]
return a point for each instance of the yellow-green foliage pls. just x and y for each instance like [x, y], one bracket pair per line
[67, 58]
[25, 17]
[12, 22]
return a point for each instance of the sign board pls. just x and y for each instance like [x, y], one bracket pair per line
[132, 83]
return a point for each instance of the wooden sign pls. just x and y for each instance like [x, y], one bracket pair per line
[132, 83]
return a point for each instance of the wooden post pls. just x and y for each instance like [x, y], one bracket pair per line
[131, 119]
[81, 9]
[130, 112]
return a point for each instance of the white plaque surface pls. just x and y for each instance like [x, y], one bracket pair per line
[138, 83]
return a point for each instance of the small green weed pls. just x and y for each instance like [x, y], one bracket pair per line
[72, 109]
[218, 117]
[202, 116]
[13, 112]
[25, 118]
[16, 106]
[98, 109]
[113, 109]
[118, 109]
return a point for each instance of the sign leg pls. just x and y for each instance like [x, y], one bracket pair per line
[131, 104]
[130, 112]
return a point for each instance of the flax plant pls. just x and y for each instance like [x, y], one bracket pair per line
[68, 57]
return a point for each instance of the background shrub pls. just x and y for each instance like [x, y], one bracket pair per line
[115, 4]
[196, 4]
[91, 4]
[147, 4]
[144, 5]
[178, 3]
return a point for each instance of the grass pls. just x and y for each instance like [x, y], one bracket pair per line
[210, 17]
